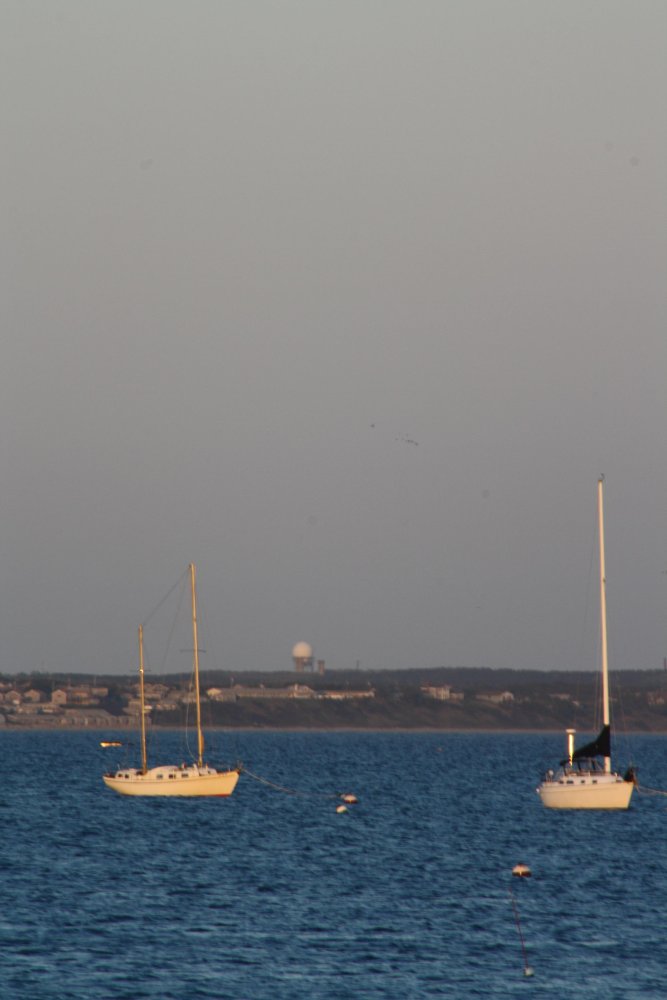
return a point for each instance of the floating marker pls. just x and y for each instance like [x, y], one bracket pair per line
[350, 799]
[521, 870]
[341, 809]
[110, 743]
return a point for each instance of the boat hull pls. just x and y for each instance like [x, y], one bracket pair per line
[607, 791]
[173, 782]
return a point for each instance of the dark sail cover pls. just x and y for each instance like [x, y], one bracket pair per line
[600, 747]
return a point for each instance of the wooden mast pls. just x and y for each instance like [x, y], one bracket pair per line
[144, 763]
[195, 664]
[603, 621]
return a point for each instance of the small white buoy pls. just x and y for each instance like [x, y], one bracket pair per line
[341, 809]
[528, 971]
[521, 870]
[350, 799]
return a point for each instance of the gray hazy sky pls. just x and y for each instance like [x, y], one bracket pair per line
[347, 302]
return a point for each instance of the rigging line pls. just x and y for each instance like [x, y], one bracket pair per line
[166, 597]
[288, 791]
[205, 630]
[624, 729]
[175, 620]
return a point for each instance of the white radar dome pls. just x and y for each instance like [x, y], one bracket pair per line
[302, 651]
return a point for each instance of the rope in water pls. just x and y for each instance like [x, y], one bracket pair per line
[287, 791]
[643, 790]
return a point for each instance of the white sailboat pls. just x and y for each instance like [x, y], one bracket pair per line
[189, 780]
[583, 781]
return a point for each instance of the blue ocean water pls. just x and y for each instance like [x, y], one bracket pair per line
[269, 895]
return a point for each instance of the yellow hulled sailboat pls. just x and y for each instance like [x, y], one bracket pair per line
[185, 780]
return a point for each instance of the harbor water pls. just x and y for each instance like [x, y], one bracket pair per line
[273, 894]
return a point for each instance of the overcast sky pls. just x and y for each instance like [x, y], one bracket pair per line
[347, 302]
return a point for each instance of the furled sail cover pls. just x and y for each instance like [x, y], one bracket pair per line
[600, 747]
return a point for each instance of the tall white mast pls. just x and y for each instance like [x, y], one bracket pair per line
[603, 621]
[195, 647]
[144, 763]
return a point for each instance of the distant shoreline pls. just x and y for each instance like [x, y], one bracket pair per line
[419, 730]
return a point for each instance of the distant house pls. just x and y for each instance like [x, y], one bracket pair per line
[27, 708]
[59, 697]
[80, 696]
[442, 693]
[496, 697]
[347, 695]
[152, 690]
[168, 705]
[32, 696]
[187, 697]
[94, 717]
[221, 694]
[133, 707]
[300, 691]
[291, 691]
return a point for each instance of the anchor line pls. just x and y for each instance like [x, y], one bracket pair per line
[283, 788]
[643, 790]
[518, 927]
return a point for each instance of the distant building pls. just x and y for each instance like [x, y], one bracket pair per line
[151, 690]
[291, 691]
[441, 693]
[496, 697]
[27, 708]
[78, 695]
[346, 695]
[133, 707]
[302, 656]
[221, 694]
